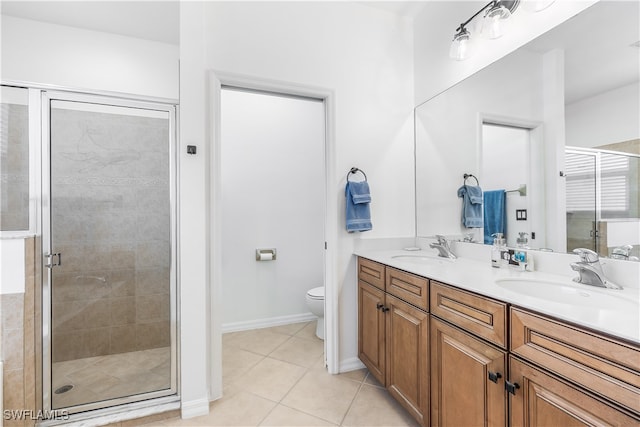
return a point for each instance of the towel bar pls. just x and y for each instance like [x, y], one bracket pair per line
[354, 171]
[467, 176]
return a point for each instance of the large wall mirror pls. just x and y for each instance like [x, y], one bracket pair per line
[554, 130]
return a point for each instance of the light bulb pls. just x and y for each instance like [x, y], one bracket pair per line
[462, 46]
[495, 21]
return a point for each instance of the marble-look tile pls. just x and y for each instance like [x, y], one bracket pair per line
[241, 409]
[300, 351]
[13, 348]
[236, 362]
[322, 395]
[289, 329]
[257, 341]
[371, 380]
[270, 378]
[308, 332]
[13, 380]
[358, 375]
[284, 416]
[375, 407]
[76, 396]
[12, 310]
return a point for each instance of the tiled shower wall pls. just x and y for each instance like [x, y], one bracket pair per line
[14, 167]
[18, 335]
[110, 221]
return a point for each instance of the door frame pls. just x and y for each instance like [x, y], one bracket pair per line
[218, 79]
[44, 225]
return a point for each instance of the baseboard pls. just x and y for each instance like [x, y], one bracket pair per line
[195, 408]
[351, 364]
[267, 323]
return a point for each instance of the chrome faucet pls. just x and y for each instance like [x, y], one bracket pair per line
[590, 270]
[623, 252]
[443, 247]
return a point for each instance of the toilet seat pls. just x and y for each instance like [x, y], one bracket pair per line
[316, 293]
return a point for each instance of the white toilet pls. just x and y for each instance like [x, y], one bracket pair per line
[315, 301]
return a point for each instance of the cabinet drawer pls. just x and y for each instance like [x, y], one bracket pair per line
[407, 287]
[371, 272]
[481, 316]
[544, 400]
[601, 364]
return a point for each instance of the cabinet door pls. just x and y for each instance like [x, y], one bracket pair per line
[463, 371]
[371, 329]
[408, 357]
[544, 400]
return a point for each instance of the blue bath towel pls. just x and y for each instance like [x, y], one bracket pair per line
[495, 214]
[358, 212]
[471, 206]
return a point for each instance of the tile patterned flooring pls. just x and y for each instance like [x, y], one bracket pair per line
[276, 377]
[106, 377]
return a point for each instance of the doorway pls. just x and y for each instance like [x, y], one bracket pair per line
[272, 146]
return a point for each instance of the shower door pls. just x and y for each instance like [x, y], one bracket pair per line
[109, 288]
[582, 200]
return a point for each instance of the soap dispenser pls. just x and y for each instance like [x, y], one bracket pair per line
[522, 240]
[522, 256]
[499, 246]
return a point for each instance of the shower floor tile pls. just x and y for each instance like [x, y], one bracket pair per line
[107, 377]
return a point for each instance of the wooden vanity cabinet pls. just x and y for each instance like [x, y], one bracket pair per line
[605, 371]
[407, 345]
[456, 358]
[371, 329]
[545, 400]
[467, 379]
[393, 335]
[467, 372]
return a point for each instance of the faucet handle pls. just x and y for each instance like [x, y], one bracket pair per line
[441, 239]
[586, 255]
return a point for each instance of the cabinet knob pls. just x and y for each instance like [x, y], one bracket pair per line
[379, 306]
[494, 376]
[511, 387]
[385, 309]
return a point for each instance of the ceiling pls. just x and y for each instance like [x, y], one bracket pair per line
[150, 20]
[597, 48]
[146, 19]
[606, 63]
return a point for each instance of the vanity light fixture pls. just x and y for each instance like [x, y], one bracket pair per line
[496, 18]
[461, 46]
[496, 13]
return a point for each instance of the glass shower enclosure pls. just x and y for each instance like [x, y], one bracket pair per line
[109, 251]
[603, 204]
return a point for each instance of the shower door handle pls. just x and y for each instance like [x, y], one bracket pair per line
[54, 260]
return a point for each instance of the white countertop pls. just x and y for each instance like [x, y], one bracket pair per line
[614, 312]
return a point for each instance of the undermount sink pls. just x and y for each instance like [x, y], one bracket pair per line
[422, 258]
[567, 293]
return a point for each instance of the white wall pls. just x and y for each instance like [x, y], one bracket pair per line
[44, 53]
[272, 197]
[365, 56]
[435, 27]
[194, 212]
[12, 266]
[606, 118]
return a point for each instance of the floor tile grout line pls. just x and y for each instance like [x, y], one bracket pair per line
[351, 404]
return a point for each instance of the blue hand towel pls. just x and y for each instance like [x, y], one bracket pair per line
[358, 213]
[495, 214]
[471, 206]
